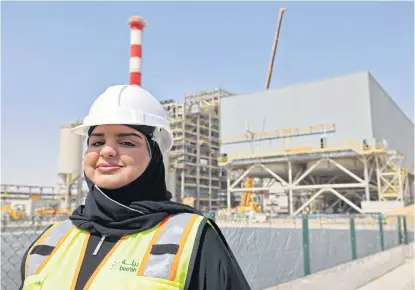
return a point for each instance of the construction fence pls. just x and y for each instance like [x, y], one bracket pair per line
[16, 237]
[270, 252]
[279, 250]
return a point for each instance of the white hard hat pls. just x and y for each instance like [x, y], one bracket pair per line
[129, 105]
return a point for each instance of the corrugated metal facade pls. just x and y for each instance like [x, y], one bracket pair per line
[355, 103]
[390, 123]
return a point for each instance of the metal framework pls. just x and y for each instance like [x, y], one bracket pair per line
[352, 175]
[30, 198]
[193, 158]
[15, 191]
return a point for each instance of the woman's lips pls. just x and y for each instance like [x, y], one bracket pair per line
[107, 168]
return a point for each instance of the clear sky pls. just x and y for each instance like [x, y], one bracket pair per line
[57, 57]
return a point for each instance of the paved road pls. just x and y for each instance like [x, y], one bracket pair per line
[401, 278]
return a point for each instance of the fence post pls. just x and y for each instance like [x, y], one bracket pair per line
[353, 238]
[382, 241]
[405, 231]
[306, 246]
[399, 231]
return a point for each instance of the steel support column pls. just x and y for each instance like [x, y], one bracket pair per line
[290, 184]
[366, 181]
[380, 198]
[243, 175]
[309, 201]
[228, 196]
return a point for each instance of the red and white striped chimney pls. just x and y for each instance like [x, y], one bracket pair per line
[137, 25]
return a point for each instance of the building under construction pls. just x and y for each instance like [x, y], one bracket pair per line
[193, 174]
[335, 145]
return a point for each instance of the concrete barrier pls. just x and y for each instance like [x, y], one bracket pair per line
[352, 275]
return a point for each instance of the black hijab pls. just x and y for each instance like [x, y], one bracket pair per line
[133, 208]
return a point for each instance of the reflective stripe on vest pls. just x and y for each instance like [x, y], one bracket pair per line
[167, 249]
[49, 241]
[158, 258]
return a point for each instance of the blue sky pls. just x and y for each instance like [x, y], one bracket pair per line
[57, 57]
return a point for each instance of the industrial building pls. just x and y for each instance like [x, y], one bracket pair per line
[70, 169]
[24, 201]
[334, 145]
[192, 171]
[330, 146]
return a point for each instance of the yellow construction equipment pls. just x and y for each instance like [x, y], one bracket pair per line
[222, 160]
[51, 211]
[247, 199]
[16, 213]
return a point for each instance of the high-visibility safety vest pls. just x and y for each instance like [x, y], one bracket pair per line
[156, 259]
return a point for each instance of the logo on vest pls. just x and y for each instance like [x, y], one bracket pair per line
[125, 266]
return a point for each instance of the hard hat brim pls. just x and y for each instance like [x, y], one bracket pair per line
[162, 135]
[81, 130]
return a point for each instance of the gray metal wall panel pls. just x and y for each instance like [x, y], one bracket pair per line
[390, 122]
[343, 101]
[328, 248]
[267, 256]
[271, 256]
[367, 242]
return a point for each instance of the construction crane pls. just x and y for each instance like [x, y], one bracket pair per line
[274, 48]
[247, 199]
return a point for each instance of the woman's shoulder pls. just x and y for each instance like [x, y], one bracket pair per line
[215, 266]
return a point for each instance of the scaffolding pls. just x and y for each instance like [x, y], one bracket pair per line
[193, 158]
[360, 178]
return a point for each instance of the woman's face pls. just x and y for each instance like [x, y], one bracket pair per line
[116, 156]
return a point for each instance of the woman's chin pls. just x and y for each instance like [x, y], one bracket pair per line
[109, 181]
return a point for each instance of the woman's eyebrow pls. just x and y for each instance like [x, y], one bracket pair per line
[118, 135]
[129, 134]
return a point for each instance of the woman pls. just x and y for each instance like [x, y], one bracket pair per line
[129, 235]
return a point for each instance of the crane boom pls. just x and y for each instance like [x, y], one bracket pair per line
[274, 48]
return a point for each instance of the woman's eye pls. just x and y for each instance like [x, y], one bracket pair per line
[97, 143]
[128, 144]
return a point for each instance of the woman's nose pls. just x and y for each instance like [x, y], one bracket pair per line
[108, 151]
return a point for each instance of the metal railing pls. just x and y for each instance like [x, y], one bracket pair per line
[345, 146]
